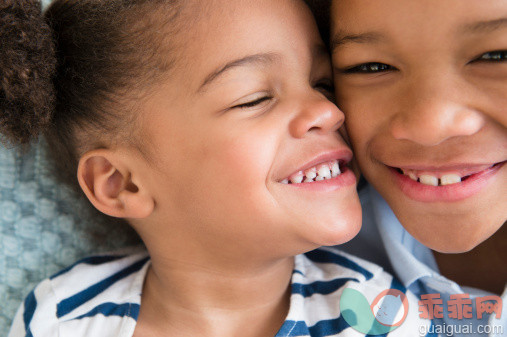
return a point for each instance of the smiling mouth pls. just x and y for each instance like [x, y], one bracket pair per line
[319, 172]
[440, 178]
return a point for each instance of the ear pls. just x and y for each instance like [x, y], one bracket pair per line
[106, 180]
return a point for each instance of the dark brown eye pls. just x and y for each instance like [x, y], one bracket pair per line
[367, 68]
[493, 56]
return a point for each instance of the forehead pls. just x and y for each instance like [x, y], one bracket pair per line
[220, 31]
[247, 25]
[415, 17]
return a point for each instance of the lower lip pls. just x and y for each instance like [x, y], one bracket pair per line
[448, 193]
[344, 179]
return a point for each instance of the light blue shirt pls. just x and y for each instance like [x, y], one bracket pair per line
[383, 240]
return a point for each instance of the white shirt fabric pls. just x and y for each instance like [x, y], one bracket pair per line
[100, 297]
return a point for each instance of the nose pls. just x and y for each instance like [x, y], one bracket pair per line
[434, 111]
[316, 115]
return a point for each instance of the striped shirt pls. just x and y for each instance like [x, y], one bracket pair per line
[100, 296]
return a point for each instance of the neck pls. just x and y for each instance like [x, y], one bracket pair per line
[207, 301]
[483, 267]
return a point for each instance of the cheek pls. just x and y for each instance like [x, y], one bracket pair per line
[367, 116]
[359, 114]
[239, 160]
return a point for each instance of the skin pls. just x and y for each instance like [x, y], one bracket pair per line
[205, 193]
[439, 101]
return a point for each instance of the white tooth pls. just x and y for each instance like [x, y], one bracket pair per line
[319, 178]
[308, 180]
[335, 169]
[285, 181]
[311, 173]
[449, 179]
[324, 172]
[297, 178]
[426, 179]
[412, 176]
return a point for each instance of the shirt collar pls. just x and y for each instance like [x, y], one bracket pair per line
[410, 259]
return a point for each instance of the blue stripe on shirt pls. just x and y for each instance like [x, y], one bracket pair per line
[329, 327]
[324, 256]
[93, 260]
[113, 309]
[73, 302]
[320, 287]
[29, 309]
[395, 284]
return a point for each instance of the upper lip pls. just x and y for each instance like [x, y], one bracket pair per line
[344, 155]
[462, 168]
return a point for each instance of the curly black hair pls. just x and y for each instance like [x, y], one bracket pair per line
[27, 67]
[66, 72]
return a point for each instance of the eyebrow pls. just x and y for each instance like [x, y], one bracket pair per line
[484, 26]
[339, 39]
[264, 58]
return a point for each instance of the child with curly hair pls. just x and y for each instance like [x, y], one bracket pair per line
[208, 126]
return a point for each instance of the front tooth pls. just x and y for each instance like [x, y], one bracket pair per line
[412, 176]
[319, 178]
[449, 179]
[308, 180]
[324, 172]
[297, 178]
[311, 173]
[335, 169]
[426, 179]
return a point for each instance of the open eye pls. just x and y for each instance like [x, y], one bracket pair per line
[493, 56]
[252, 103]
[368, 68]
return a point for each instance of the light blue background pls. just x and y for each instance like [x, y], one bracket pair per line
[44, 226]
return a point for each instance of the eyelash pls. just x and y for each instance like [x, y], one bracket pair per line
[325, 85]
[252, 103]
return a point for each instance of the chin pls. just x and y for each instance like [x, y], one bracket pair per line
[451, 239]
[342, 228]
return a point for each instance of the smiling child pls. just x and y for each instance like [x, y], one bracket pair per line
[423, 85]
[207, 126]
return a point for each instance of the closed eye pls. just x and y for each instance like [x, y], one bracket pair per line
[253, 103]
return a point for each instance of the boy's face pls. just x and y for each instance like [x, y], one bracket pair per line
[243, 112]
[423, 85]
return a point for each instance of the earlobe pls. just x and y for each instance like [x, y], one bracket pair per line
[107, 183]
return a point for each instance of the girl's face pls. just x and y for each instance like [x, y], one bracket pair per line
[423, 85]
[244, 112]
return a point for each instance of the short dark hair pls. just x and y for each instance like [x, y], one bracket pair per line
[321, 10]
